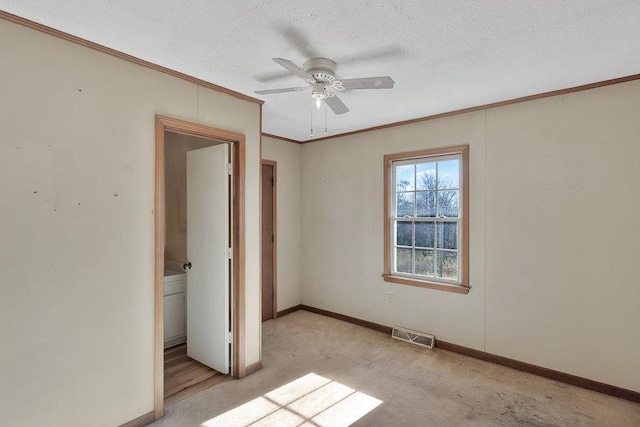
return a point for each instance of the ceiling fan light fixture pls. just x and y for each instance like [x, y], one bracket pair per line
[319, 93]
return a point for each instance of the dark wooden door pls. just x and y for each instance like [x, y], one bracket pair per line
[268, 241]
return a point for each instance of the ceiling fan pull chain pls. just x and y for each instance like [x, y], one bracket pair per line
[325, 119]
[311, 119]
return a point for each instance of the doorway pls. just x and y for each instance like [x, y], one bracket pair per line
[230, 151]
[268, 238]
[197, 224]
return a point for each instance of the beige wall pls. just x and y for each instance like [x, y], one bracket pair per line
[175, 160]
[553, 234]
[563, 241]
[288, 156]
[77, 226]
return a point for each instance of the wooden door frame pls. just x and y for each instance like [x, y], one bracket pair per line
[274, 192]
[167, 124]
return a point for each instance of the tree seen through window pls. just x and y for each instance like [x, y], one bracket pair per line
[427, 206]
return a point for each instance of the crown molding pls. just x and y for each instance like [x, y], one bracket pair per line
[116, 53]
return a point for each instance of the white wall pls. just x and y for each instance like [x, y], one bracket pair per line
[554, 241]
[289, 269]
[77, 226]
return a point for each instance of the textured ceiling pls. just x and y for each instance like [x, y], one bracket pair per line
[443, 55]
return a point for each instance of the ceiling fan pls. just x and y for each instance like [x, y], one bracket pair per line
[320, 74]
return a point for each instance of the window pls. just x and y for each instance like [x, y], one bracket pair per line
[427, 218]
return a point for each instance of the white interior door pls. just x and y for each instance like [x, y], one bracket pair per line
[207, 244]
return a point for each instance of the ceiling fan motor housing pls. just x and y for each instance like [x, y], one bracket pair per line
[322, 69]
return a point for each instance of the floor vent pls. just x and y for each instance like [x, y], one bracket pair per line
[414, 337]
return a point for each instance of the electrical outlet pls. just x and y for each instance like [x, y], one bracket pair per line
[390, 299]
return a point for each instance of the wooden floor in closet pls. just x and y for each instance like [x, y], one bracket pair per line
[184, 376]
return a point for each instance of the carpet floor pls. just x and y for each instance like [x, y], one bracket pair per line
[319, 371]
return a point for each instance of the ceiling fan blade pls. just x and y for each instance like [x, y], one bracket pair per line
[271, 76]
[285, 89]
[383, 82]
[296, 39]
[375, 54]
[294, 68]
[336, 105]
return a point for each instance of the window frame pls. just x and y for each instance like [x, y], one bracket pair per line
[429, 155]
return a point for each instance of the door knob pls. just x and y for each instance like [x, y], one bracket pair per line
[187, 266]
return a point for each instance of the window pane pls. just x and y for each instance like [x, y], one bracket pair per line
[424, 234]
[426, 176]
[449, 174]
[404, 233]
[405, 178]
[447, 264]
[405, 204]
[426, 203]
[424, 262]
[449, 203]
[403, 260]
[447, 235]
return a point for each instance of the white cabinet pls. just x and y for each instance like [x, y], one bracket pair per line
[175, 331]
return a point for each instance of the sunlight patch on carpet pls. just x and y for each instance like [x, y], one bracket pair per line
[311, 400]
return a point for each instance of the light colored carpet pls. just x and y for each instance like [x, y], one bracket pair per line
[322, 371]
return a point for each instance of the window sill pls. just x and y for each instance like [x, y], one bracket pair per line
[425, 284]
